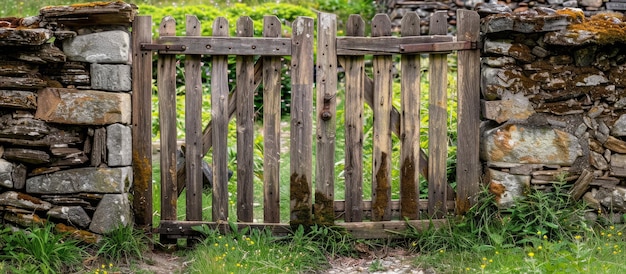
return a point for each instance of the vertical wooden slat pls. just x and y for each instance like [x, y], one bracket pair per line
[301, 120]
[193, 126]
[220, 117]
[142, 124]
[437, 129]
[326, 118]
[355, 81]
[410, 123]
[245, 126]
[468, 164]
[166, 84]
[271, 121]
[381, 175]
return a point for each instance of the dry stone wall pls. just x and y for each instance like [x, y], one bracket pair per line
[554, 96]
[398, 8]
[65, 113]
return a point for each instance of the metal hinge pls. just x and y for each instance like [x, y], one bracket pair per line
[161, 47]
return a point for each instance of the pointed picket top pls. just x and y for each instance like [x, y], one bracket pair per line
[438, 23]
[245, 27]
[381, 25]
[220, 27]
[410, 24]
[355, 25]
[192, 25]
[271, 26]
[167, 26]
[469, 29]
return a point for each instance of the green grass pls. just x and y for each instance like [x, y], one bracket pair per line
[39, 249]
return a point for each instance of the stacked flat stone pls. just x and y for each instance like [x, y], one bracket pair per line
[65, 114]
[553, 103]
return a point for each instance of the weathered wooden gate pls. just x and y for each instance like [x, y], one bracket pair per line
[348, 52]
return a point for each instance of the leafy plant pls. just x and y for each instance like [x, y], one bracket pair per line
[123, 244]
[40, 249]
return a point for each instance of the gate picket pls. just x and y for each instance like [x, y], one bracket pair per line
[193, 127]
[220, 116]
[381, 175]
[410, 123]
[245, 127]
[271, 119]
[166, 84]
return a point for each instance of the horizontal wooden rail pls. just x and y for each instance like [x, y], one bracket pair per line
[395, 207]
[356, 45]
[221, 45]
[437, 47]
[360, 230]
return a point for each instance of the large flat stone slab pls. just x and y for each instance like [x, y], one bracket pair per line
[24, 37]
[80, 180]
[108, 47]
[83, 107]
[530, 145]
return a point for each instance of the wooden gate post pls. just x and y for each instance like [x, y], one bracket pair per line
[301, 121]
[468, 164]
[142, 124]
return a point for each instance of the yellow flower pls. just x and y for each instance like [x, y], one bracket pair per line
[497, 252]
[483, 266]
[531, 254]
[467, 269]
[577, 237]
[540, 247]
[538, 232]
[609, 235]
[619, 233]
[484, 258]
[490, 260]
[611, 227]
[545, 237]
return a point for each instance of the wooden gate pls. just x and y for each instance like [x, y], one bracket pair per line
[363, 218]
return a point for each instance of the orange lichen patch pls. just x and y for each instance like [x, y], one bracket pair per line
[10, 22]
[608, 27]
[96, 4]
[497, 189]
[78, 234]
[573, 15]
